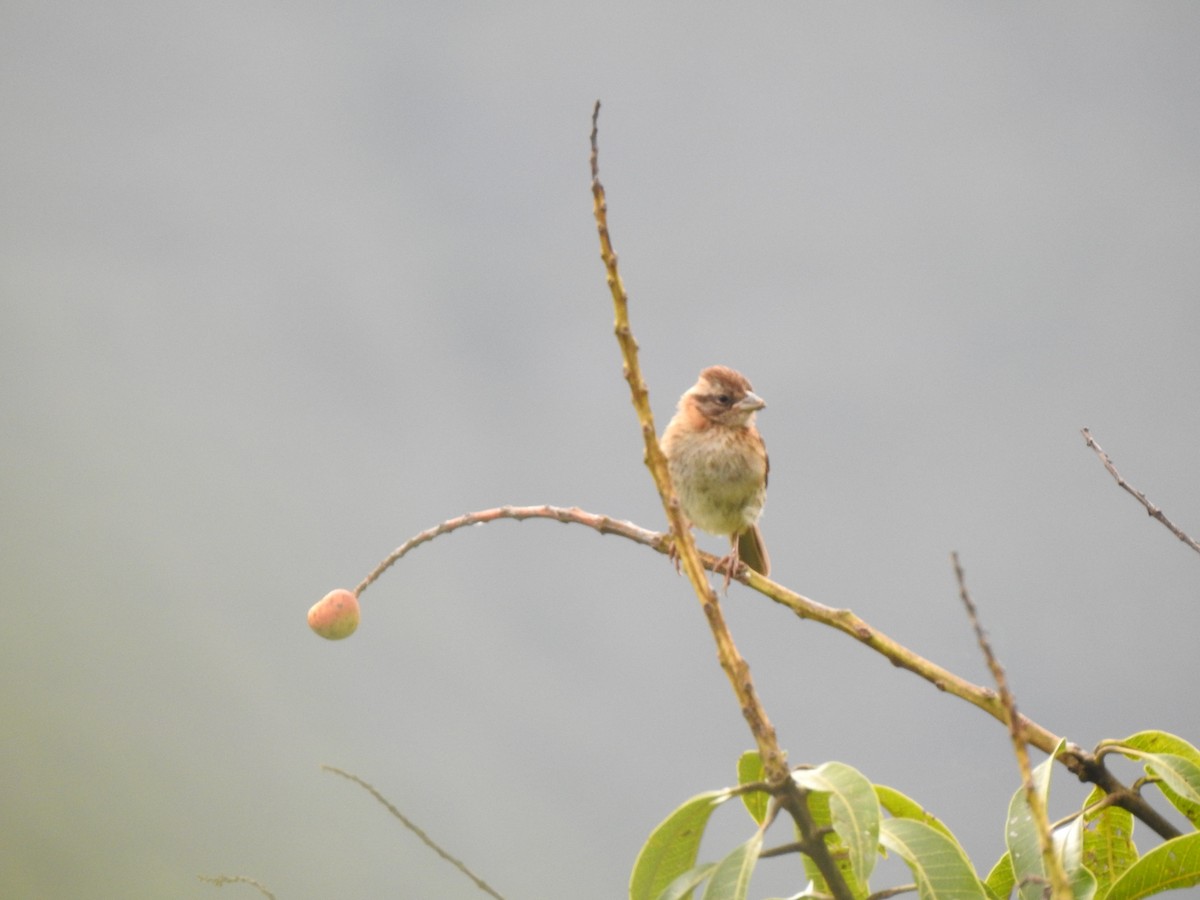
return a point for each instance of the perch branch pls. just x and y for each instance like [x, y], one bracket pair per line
[1086, 766]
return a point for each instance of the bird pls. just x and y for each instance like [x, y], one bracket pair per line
[718, 464]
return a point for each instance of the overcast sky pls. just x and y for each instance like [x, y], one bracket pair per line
[284, 284]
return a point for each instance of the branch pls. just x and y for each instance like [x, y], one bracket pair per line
[1154, 511]
[222, 880]
[411, 826]
[736, 669]
[567, 515]
[601, 524]
[1087, 766]
[1050, 861]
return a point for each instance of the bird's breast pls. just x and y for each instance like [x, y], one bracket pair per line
[719, 477]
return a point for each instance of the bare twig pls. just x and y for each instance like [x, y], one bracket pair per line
[222, 880]
[782, 850]
[602, 524]
[411, 826]
[1050, 861]
[1154, 511]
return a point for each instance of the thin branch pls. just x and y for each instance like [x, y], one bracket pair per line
[1050, 861]
[783, 850]
[601, 524]
[222, 880]
[1154, 511]
[736, 669]
[1087, 766]
[567, 515]
[426, 839]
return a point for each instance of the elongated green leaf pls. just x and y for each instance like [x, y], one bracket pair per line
[1070, 848]
[1159, 742]
[1108, 848]
[1001, 880]
[749, 769]
[682, 887]
[1021, 836]
[1162, 742]
[672, 847]
[902, 807]
[731, 879]
[1180, 778]
[854, 812]
[1180, 773]
[942, 871]
[1175, 864]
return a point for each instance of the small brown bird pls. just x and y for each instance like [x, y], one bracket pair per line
[718, 464]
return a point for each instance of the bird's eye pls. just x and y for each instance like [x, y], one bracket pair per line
[724, 399]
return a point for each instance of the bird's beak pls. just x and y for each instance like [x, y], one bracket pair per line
[751, 402]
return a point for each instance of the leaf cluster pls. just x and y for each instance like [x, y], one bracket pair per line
[860, 822]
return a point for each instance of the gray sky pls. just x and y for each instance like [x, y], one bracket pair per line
[283, 285]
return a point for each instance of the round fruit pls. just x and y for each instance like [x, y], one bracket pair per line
[335, 616]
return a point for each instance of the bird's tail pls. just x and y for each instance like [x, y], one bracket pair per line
[753, 552]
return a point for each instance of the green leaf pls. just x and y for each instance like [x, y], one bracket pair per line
[682, 887]
[750, 769]
[902, 807]
[1179, 786]
[671, 848]
[1178, 773]
[1175, 864]
[731, 879]
[942, 871]
[1001, 880]
[1158, 742]
[1083, 882]
[1108, 848]
[1021, 835]
[854, 813]
[1180, 780]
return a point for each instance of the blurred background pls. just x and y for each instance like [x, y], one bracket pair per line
[283, 285]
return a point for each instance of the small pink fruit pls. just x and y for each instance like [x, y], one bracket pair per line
[335, 616]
